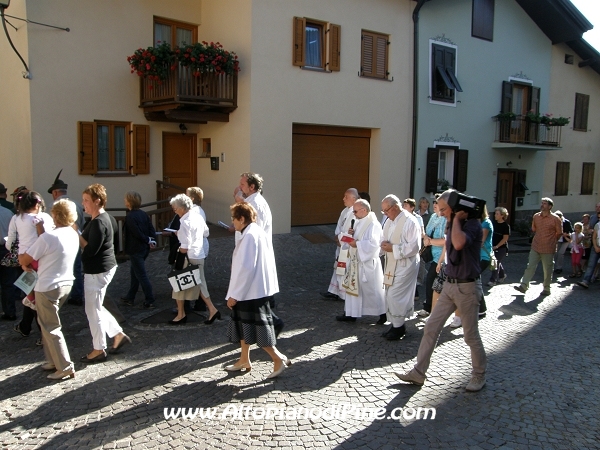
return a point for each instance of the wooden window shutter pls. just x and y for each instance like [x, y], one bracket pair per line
[431, 173]
[461, 158]
[587, 178]
[520, 183]
[334, 47]
[381, 66]
[580, 118]
[87, 154]
[535, 99]
[507, 89]
[366, 57]
[561, 185]
[299, 50]
[141, 149]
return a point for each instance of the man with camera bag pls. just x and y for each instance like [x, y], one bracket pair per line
[461, 290]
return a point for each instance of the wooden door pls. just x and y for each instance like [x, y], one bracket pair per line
[325, 162]
[179, 161]
[504, 191]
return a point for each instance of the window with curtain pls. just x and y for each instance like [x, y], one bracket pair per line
[316, 44]
[173, 31]
[113, 148]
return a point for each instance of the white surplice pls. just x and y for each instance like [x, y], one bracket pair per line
[371, 294]
[335, 285]
[399, 297]
[253, 270]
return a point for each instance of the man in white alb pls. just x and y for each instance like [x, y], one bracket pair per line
[401, 242]
[335, 287]
[363, 281]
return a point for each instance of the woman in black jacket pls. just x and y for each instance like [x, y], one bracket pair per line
[139, 237]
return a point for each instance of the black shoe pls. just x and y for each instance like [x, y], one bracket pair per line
[75, 301]
[7, 317]
[345, 318]
[215, 316]
[329, 295]
[382, 319]
[149, 306]
[385, 333]
[178, 322]
[278, 329]
[97, 359]
[557, 270]
[396, 333]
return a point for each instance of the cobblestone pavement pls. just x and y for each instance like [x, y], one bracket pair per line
[543, 366]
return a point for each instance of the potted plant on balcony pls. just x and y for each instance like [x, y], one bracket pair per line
[533, 117]
[442, 184]
[204, 57]
[550, 121]
[153, 63]
[505, 116]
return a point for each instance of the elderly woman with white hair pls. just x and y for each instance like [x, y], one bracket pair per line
[191, 235]
[55, 252]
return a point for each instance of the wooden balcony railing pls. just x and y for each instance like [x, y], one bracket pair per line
[522, 131]
[182, 91]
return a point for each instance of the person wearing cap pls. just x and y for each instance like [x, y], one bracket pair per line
[3, 201]
[58, 190]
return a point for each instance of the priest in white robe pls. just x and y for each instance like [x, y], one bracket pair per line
[335, 285]
[363, 281]
[401, 243]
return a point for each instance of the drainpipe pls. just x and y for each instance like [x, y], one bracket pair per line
[413, 155]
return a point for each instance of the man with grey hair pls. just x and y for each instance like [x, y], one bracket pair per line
[461, 290]
[251, 185]
[343, 224]
[401, 243]
[363, 280]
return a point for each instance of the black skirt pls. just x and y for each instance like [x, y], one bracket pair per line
[251, 320]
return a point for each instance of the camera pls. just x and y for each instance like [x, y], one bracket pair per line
[473, 206]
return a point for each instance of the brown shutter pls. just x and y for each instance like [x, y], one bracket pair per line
[507, 89]
[87, 156]
[299, 50]
[366, 55]
[584, 111]
[561, 185]
[334, 47]
[141, 149]
[461, 158]
[381, 57]
[431, 172]
[587, 178]
[535, 99]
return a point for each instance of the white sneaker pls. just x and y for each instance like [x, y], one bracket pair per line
[422, 313]
[456, 322]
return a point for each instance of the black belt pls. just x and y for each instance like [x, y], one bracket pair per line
[458, 280]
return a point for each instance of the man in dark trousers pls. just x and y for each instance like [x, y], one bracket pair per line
[462, 290]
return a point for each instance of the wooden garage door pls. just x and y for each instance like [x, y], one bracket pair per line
[325, 162]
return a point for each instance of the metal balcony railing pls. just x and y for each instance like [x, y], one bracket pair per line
[522, 131]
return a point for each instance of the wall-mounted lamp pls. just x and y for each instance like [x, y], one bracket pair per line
[182, 128]
[509, 164]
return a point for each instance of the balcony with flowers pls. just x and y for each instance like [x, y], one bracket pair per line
[194, 83]
[531, 131]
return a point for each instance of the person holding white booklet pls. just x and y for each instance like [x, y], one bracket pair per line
[363, 280]
[55, 252]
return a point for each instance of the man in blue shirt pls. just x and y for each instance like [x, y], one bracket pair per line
[462, 290]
